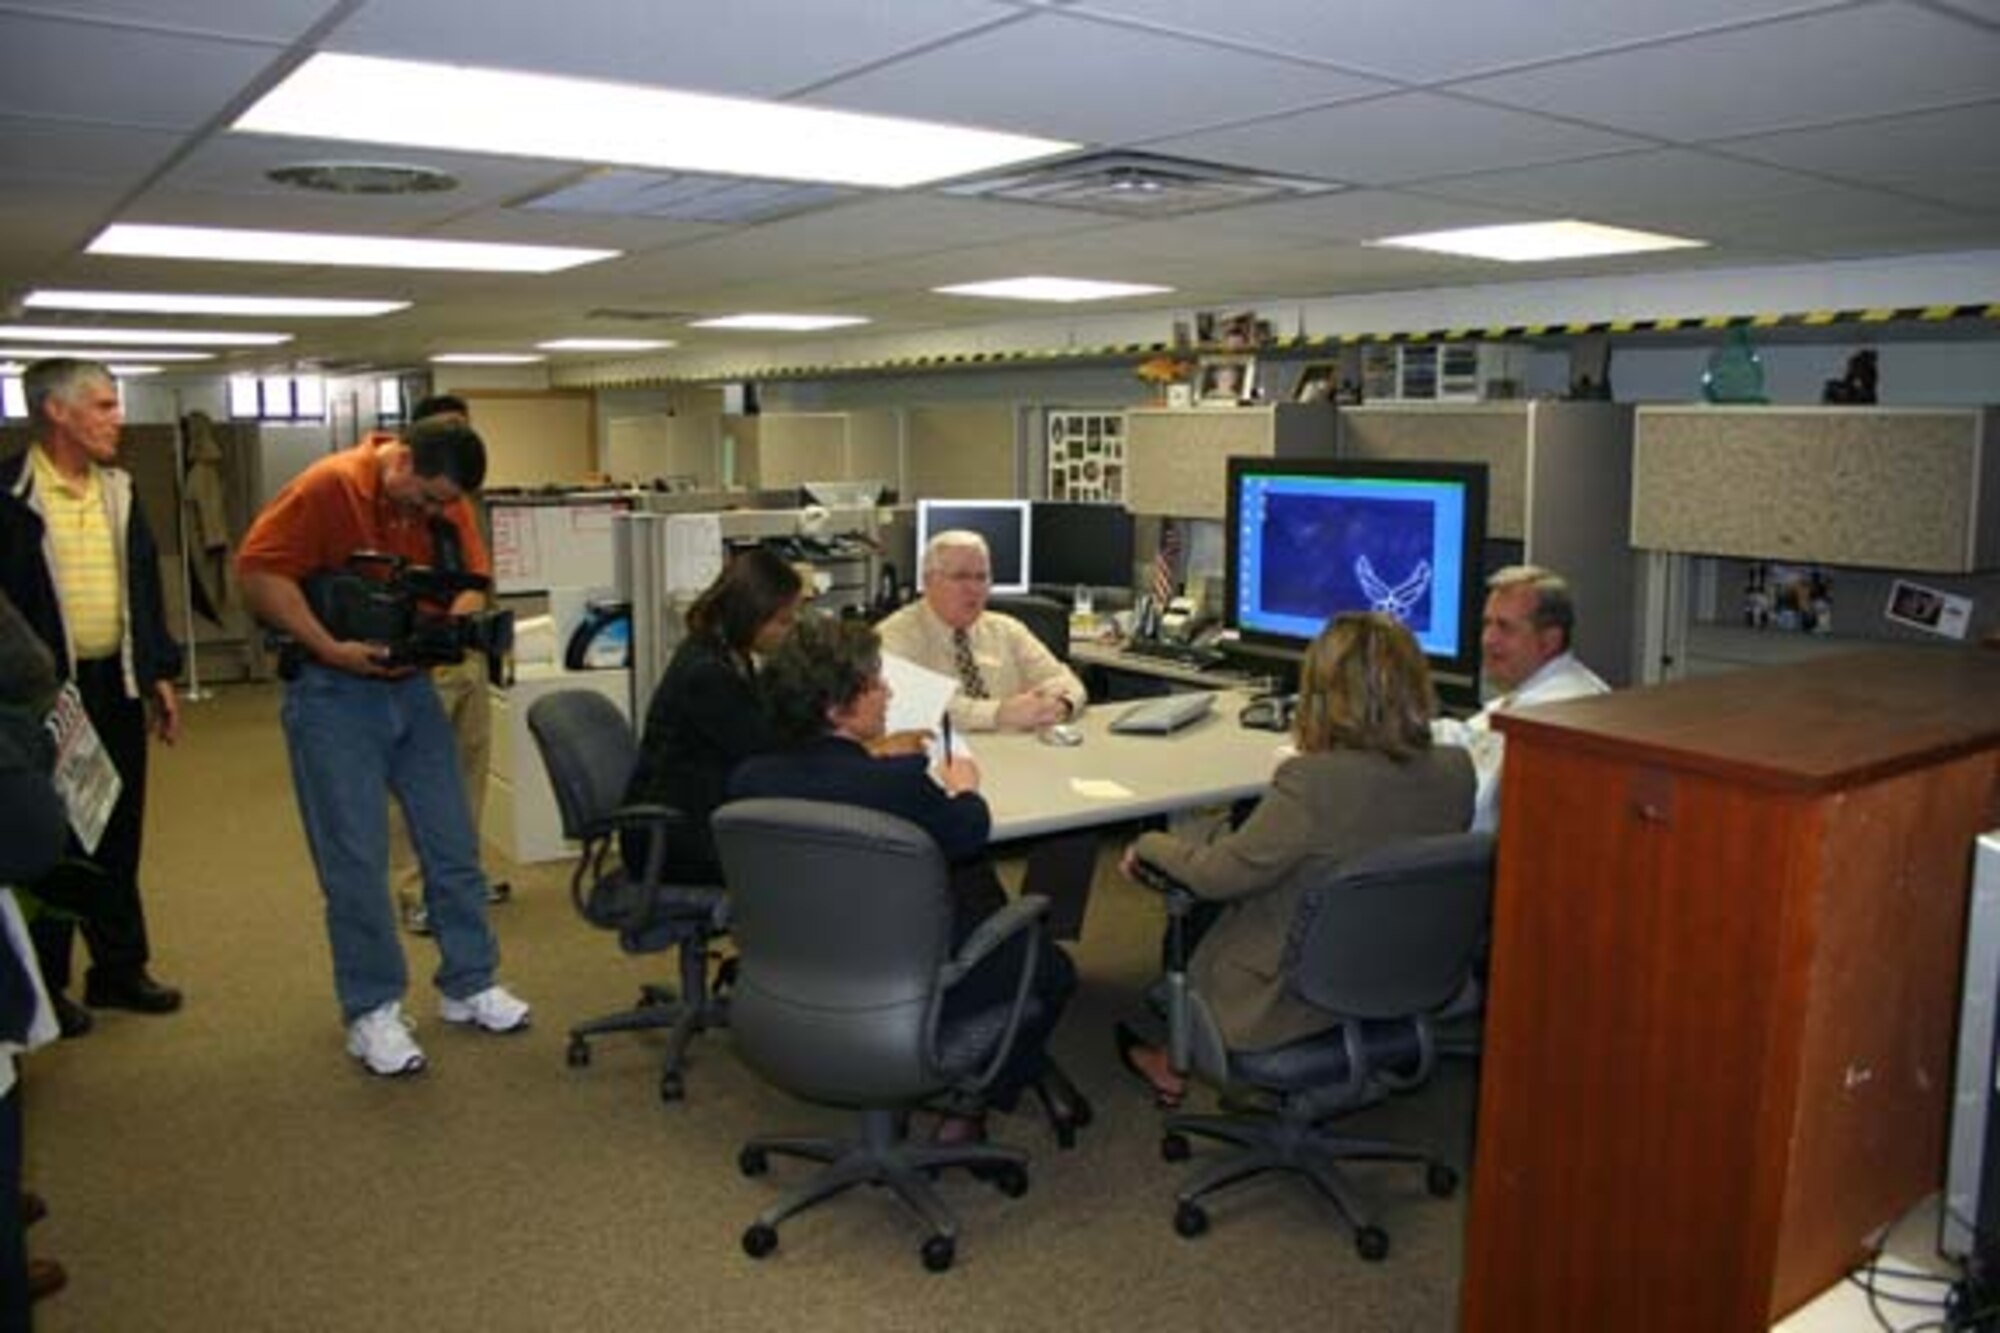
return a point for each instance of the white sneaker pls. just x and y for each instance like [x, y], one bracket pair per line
[380, 1039]
[494, 1009]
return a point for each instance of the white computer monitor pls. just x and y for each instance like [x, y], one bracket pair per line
[1003, 523]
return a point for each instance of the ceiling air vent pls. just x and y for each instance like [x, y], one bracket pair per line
[363, 177]
[1139, 185]
[682, 197]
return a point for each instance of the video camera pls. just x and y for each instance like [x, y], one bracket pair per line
[383, 598]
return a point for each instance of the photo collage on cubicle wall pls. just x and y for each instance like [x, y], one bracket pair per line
[1087, 456]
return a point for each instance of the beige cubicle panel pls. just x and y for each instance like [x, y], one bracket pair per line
[874, 448]
[960, 453]
[795, 447]
[1177, 459]
[1495, 434]
[536, 438]
[1879, 487]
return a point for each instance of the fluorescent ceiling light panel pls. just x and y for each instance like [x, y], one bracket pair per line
[486, 359]
[174, 303]
[325, 248]
[1052, 289]
[62, 333]
[100, 353]
[365, 99]
[1532, 242]
[605, 344]
[779, 323]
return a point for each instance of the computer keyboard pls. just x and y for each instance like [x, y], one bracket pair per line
[1169, 712]
[1199, 657]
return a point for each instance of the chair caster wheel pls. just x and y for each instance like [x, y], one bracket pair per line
[577, 1056]
[1190, 1220]
[938, 1253]
[1175, 1148]
[671, 1088]
[759, 1240]
[1440, 1180]
[753, 1162]
[1010, 1179]
[1372, 1244]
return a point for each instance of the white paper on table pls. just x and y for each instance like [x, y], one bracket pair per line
[1102, 789]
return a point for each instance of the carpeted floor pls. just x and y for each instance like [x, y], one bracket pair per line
[228, 1168]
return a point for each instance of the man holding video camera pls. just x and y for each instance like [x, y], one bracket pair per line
[361, 718]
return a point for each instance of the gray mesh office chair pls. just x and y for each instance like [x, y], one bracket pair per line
[1047, 620]
[589, 751]
[1385, 943]
[842, 920]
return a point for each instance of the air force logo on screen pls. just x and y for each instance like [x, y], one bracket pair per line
[1399, 600]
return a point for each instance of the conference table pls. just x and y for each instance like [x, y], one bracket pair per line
[1051, 802]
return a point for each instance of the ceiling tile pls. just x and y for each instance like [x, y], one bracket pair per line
[1631, 189]
[1444, 38]
[134, 78]
[761, 48]
[1391, 140]
[266, 20]
[1895, 150]
[1861, 61]
[57, 150]
[1059, 76]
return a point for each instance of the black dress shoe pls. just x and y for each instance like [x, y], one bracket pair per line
[72, 1019]
[136, 991]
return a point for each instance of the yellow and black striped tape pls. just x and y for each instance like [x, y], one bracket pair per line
[1933, 314]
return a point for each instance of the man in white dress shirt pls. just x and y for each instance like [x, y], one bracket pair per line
[1525, 659]
[1008, 680]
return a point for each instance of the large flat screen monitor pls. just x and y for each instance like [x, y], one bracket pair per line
[1088, 544]
[1003, 523]
[1307, 538]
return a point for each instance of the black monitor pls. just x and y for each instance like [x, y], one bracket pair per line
[1082, 544]
[1004, 525]
[1308, 538]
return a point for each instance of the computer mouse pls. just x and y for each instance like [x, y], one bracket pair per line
[1062, 733]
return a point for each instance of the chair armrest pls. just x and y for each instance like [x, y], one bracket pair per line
[1022, 915]
[990, 934]
[1180, 901]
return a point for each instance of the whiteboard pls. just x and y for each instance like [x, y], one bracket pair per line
[554, 543]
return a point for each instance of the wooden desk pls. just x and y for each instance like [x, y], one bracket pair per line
[1728, 927]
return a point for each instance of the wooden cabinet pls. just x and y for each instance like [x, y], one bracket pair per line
[1728, 926]
[1890, 488]
[1177, 459]
[1559, 481]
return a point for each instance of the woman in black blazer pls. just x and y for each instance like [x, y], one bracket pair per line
[829, 703]
[705, 716]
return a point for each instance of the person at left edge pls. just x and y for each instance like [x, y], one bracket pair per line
[79, 562]
[359, 731]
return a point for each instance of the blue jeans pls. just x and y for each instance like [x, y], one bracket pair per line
[351, 739]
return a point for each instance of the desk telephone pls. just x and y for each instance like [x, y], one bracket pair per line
[1270, 712]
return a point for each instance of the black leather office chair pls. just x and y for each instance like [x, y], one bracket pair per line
[589, 751]
[842, 918]
[1047, 620]
[1384, 944]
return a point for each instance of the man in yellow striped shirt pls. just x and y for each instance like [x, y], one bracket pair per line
[78, 560]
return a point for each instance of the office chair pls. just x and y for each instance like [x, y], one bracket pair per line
[589, 751]
[1385, 943]
[1047, 620]
[842, 919]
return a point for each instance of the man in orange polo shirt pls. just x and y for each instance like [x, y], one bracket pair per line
[359, 728]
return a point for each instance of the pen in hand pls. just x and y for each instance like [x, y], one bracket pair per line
[947, 739]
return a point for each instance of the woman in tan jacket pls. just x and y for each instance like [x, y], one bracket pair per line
[1365, 775]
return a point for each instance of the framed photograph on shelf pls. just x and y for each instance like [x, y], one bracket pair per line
[1226, 380]
[1317, 382]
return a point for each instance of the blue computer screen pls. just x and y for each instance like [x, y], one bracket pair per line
[1308, 539]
